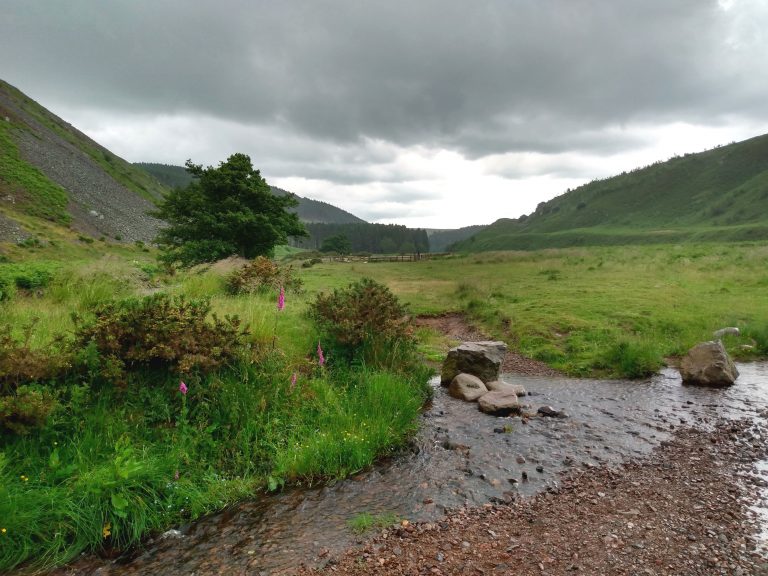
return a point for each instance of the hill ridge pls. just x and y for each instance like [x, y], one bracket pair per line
[720, 193]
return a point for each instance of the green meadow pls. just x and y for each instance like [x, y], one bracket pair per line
[115, 460]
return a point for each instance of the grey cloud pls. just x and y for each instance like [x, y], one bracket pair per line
[437, 72]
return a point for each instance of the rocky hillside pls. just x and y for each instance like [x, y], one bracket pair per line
[51, 170]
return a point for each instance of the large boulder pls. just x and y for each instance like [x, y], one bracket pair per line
[518, 389]
[499, 403]
[708, 364]
[467, 387]
[481, 359]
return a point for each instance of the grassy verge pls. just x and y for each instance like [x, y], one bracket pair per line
[112, 466]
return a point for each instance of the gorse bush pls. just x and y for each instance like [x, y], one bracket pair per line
[20, 364]
[158, 332]
[261, 275]
[366, 322]
[26, 409]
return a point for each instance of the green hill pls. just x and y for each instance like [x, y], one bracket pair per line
[720, 194]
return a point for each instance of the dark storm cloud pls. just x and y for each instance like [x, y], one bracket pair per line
[478, 77]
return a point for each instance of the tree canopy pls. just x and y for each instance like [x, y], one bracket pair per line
[225, 211]
[339, 244]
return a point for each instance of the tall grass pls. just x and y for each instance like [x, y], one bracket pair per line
[113, 466]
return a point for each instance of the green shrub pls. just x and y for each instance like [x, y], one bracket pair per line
[161, 333]
[20, 364]
[365, 321]
[632, 360]
[758, 333]
[261, 275]
[26, 409]
[7, 288]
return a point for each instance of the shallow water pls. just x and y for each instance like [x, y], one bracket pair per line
[456, 460]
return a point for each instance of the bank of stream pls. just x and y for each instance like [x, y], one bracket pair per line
[460, 457]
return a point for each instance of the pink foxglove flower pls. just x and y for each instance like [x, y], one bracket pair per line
[183, 388]
[176, 475]
[293, 380]
[320, 357]
[281, 299]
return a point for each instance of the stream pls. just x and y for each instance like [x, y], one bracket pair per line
[460, 457]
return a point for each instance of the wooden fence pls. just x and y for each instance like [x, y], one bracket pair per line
[417, 257]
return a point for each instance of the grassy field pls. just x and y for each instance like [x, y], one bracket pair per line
[613, 311]
[113, 464]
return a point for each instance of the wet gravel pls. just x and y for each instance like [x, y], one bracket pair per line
[682, 511]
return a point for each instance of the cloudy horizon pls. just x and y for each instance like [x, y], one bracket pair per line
[434, 114]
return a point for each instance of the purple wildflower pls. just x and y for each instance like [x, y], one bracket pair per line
[320, 357]
[281, 299]
[176, 475]
[183, 388]
[293, 380]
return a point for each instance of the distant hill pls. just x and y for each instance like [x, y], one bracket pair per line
[51, 171]
[367, 237]
[308, 210]
[167, 174]
[720, 194]
[440, 240]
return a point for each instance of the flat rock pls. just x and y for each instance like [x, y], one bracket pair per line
[499, 403]
[518, 389]
[467, 387]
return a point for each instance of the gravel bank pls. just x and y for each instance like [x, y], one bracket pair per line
[682, 511]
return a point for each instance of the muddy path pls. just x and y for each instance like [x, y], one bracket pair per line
[457, 327]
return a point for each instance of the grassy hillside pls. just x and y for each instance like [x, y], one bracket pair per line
[720, 194]
[122, 171]
[439, 240]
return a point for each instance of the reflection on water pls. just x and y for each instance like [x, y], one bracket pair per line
[457, 459]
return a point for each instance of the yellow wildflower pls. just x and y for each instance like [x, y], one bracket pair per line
[107, 530]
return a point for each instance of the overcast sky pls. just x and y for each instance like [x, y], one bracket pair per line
[436, 113]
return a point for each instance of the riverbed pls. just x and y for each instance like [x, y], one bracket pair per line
[459, 458]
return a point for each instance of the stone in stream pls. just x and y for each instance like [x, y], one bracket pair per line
[467, 387]
[518, 389]
[708, 364]
[551, 412]
[481, 359]
[499, 403]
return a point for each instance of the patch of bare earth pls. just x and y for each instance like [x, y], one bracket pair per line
[457, 326]
[682, 511]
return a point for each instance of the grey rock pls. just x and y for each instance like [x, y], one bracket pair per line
[481, 359]
[551, 412]
[708, 364]
[467, 387]
[499, 403]
[518, 389]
